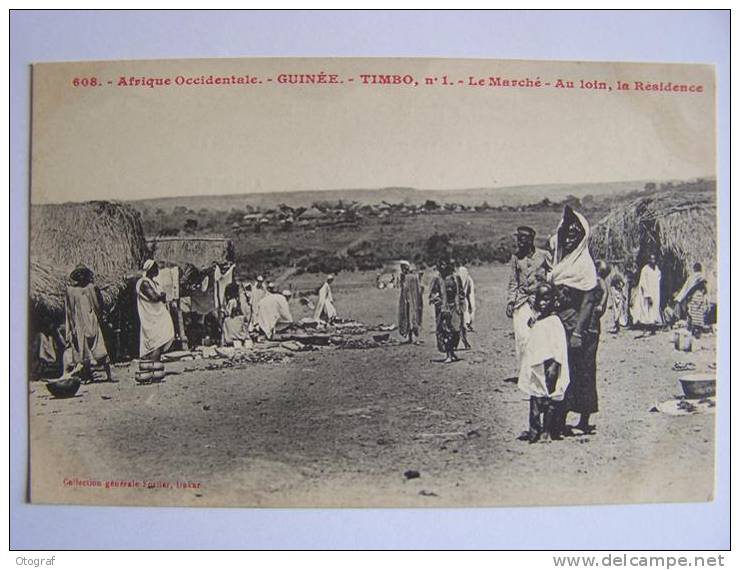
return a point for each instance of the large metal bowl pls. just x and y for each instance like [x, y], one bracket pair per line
[699, 385]
[66, 388]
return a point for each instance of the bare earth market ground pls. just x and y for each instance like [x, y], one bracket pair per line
[340, 427]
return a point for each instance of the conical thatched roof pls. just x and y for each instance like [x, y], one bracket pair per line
[105, 236]
[681, 227]
[312, 214]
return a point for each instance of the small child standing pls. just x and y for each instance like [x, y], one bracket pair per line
[544, 374]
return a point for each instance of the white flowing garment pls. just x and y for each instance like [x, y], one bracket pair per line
[157, 329]
[469, 290]
[520, 321]
[220, 282]
[325, 305]
[647, 301]
[273, 309]
[576, 269]
[546, 341]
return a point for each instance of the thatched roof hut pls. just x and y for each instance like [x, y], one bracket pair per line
[105, 236]
[680, 227]
[199, 251]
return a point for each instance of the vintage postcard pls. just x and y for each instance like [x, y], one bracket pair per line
[372, 283]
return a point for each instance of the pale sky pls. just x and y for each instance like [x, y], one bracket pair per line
[130, 143]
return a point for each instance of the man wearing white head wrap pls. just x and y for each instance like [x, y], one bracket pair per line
[325, 310]
[574, 276]
[157, 329]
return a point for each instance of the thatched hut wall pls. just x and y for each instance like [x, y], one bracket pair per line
[106, 236]
[199, 251]
[680, 227]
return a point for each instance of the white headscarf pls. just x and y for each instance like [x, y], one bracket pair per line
[576, 269]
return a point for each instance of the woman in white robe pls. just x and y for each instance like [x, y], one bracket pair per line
[157, 329]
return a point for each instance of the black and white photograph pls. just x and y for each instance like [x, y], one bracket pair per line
[378, 282]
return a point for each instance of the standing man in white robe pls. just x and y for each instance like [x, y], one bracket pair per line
[258, 292]
[647, 300]
[325, 310]
[469, 291]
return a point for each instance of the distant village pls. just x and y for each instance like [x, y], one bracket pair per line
[347, 213]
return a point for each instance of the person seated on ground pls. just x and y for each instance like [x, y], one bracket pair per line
[83, 311]
[544, 374]
[273, 313]
[325, 310]
[234, 329]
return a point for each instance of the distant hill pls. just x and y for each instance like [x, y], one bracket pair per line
[511, 196]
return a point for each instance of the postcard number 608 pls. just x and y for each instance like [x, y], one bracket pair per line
[85, 82]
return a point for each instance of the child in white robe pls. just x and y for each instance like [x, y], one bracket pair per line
[544, 374]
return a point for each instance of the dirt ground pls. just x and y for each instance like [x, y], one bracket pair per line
[340, 427]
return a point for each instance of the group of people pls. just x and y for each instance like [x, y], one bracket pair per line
[452, 294]
[636, 301]
[556, 300]
[254, 309]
